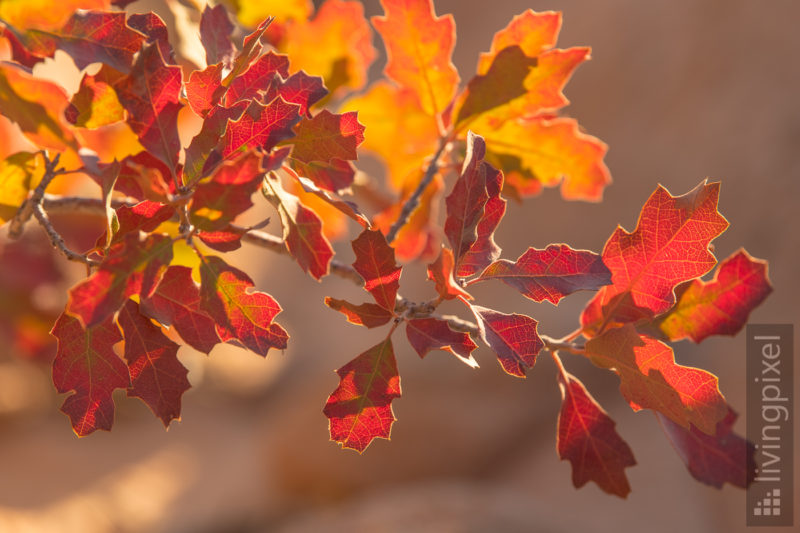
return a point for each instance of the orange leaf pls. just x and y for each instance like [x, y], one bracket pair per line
[44, 14]
[531, 31]
[419, 46]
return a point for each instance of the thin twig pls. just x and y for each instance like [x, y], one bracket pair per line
[80, 205]
[27, 208]
[413, 201]
[57, 240]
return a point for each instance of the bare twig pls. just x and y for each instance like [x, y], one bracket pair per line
[56, 239]
[27, 208]
[80, 205]
[413, 201]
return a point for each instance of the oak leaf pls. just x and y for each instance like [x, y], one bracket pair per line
[375, 262]
[426, 334]
[513, 338]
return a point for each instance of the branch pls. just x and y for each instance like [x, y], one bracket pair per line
[27, 208]
[413, 201]
[56, 239]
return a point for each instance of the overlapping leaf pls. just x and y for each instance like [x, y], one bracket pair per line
[44, 14]
[258, 77]
[227, 193]
[360, 409]
[441, 273]
[260, 126]
[720, 306]
[669, 245]
[588, 439]
[426, 334]
[419, 46]
[512, 337]
[86, 364]
[375, 262]
[650, 379]
[550, 274]
[328, 136]
[367, 314]
[95, 104]
[240, 315]
[157, 377]
[215, 34]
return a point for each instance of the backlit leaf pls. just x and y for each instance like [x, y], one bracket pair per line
[367, 314]
[360, 409]
[215, 34]
[260, 126]
[328, 136]
[441, 273]
[375, 263]
[44, 14]
[94, 105]
[19, 174]
[426, 334]
[512, 337]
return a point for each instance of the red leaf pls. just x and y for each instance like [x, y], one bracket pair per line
[200, 149]
[367, 314]
[227, 239]
[302, 229]
[348, 208]
[441, 273]
[215, 34]
[259, 77]
[720, 306]
[240, 315]
[145, 216]
[328, 136]
[150, 94]
[227, 194]
[466, 202]
[485, 250]
[300, 89]
[260, 126]
[588, 439]
[713, 459]
[131, 267]
[144, 177]
[204, 89]
[419, 46]
[426, 334]
[333, 176]
[154, 28]
[157, 377]
[550, 274]
[376, 264]
[360, 408]
[670, 245]
[650, 378]
[176, 302]
[512, 337]
[86, 363]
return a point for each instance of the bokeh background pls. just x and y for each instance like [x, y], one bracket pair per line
[680, 91]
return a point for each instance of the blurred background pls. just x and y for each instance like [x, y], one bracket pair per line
[680, 91]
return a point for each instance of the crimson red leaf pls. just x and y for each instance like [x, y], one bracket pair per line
[376, 264]
[144, 177]
[670, 245]
[215, 34]
[157, 377]
[258, 78]
[240, 315]
[226, 239]
[426, 334]
[723, 457]
[86, 364]
[19, 52]
[367, 314]
[302, 229]
[328, 136]
[335, 175]
[301, 89]
[512, 337]
[441, 273]
[650, 378]
[145, 216]
[176, 302]
[151, 94]
[200, 149]
[260, 126]
[588, 439]
[204, 89]
[360, 409]
[131, 267]
[550, 274]
[720, 306]
[348, 208]
[220, 199]
[154, 28]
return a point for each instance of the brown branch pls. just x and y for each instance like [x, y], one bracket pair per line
[413, 201]
[56, 239]
[27, 209]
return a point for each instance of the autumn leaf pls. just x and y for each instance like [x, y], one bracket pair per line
[588, 439]
[44, 14]
[399, 131]
[199, 152]
[20, 173]
[215, 34]
[260, 126]
[226, 239]
[86, 364]
[552, 151]
[176, 302]
[419, 46]
[722, 457]
[145, 216]
[512, 337]
[336, 44]
[426, 334]
[144, 177]
[300, 89]
[350, 209]
[155, 31]
[650, 379]
[227, 193]
[367, 314]
[240, 315]
[375, 262]
[251, 12]
[550, 274]
[130, 267]
[328, 136]
[669, 245]
[150, 95]
[302, 229]
[360, 409]
[94, 105]
[441, 273]
[204, 89]
[157, 377]
[258, 77]
[37, 106]
[720, 306]
[532, 32]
